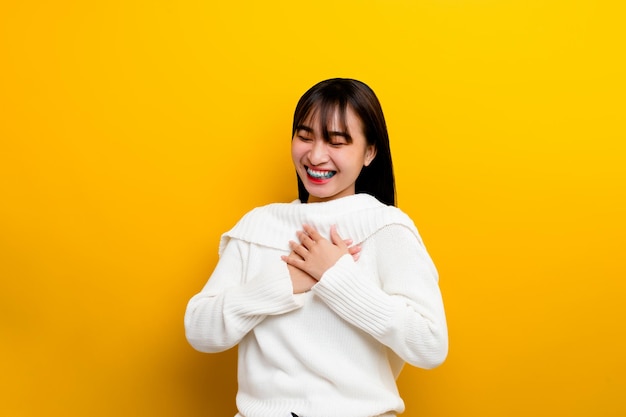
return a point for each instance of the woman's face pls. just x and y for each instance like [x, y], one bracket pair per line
[329, 170]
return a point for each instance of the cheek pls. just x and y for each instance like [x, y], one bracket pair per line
[296, 151]
[299, 148]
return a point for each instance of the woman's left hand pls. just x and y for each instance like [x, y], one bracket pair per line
[317, 253]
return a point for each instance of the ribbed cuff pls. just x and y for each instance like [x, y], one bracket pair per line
[263, 296]
[355, 298]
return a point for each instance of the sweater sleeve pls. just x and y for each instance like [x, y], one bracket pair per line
[234, 300]
[403, 307]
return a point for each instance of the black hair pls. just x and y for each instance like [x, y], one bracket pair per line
[336, 94]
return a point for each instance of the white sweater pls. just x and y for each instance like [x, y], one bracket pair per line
[337, 349]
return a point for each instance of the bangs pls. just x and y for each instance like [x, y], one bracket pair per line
[326, 111]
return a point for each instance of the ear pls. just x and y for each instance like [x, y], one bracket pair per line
[370, 154]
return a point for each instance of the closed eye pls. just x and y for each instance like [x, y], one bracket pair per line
[338, 139]
[338, 143]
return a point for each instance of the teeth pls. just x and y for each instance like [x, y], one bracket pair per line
[320, 174]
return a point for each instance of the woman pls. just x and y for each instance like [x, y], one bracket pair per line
[323, 327]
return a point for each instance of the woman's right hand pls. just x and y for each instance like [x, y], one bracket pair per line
[300, 280]
[303, 282]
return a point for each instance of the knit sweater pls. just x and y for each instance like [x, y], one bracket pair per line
[337, 349]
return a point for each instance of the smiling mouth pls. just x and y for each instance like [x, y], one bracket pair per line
[319, 175]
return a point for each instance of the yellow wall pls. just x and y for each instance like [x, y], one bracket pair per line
[133, 133]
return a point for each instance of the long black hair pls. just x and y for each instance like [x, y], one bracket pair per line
[335, 95]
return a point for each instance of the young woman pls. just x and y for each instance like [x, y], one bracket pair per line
[324, 327]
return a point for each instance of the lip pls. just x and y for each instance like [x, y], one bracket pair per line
[319, 180]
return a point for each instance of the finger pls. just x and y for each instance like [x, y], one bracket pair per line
[312, 232]
[297, 263]
[353, 250]
[294, 255]
[335, 238]
[305, 239]
[299, 250]
[348, 242]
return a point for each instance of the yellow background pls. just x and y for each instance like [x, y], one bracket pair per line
[133, 133]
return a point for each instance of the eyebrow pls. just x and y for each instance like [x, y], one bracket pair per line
[330, 133]
[305, 128]
[345, 135]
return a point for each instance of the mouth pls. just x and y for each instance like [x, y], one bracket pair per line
[319, 175]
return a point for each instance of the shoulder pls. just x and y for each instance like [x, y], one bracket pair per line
[264, 219]
[267, 225]
[392, 222]
[389, 216]
[370, 216]
[398, 233]
[268, 210]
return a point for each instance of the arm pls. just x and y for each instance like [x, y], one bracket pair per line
[245, 287]
[405, 310]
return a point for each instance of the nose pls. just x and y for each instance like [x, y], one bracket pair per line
[318, 154]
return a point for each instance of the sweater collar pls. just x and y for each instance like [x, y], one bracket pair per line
[357, 217]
